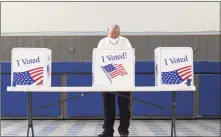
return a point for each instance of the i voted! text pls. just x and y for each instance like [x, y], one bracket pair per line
[176, 60]
[28, 61]
[114, 57]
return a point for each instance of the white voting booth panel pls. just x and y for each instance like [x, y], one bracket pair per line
[113, 70]
[31, 66]
[174, 66]
[114, 67]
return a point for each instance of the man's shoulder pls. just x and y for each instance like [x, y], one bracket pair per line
[123, 38]
[103, 39]
[101, 42]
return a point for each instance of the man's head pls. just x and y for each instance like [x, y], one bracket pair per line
[114, 31]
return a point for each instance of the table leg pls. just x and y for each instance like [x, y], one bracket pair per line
[173, 124]
[30, 123]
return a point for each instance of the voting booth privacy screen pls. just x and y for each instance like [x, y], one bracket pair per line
[31, 66]
[114, 67]
[174, 66]
[111, 67]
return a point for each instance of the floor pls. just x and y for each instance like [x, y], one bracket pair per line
[94, 127]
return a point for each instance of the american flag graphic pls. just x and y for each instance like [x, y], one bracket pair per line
[33, 76]
[177, 76]
[114, 70]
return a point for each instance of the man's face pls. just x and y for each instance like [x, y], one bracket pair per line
[115, 32]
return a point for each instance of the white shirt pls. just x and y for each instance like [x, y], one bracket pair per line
[118, 43]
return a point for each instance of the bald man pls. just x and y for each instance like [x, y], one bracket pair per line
[115, 41]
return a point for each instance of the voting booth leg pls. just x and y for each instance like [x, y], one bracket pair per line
[30, 123]
[173, 125]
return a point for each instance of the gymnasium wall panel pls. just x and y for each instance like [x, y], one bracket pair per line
[54, 43]
[71, 48]
[86, 106]
[210, 47]
[143, 49]
[184, 100]
[15, 103]
[215, 67]
[209, 95]
[79, 48]
[12, 103]
[140, 109]
[5, 49]
[41, 99]
[29, 41]
[88, 45]
[217, 49]
[205, 48]
[79, 74]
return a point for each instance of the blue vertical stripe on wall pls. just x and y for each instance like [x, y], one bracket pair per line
[40, 99]
[89, 105]
[12, 103]
[215, 67]
[209, 95]
[140, 109]
[184, 107]
[15, 103]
